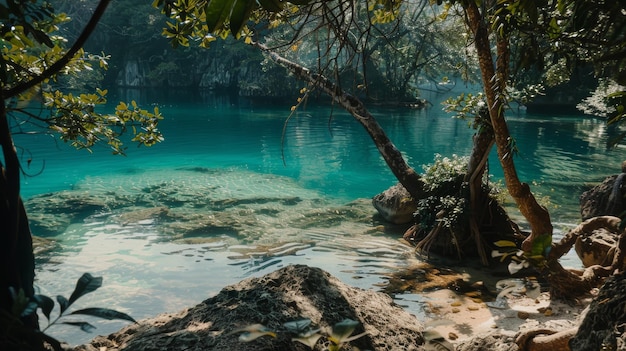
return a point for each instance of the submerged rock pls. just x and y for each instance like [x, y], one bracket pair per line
[395, 205]
[289, 294]
[50, 214]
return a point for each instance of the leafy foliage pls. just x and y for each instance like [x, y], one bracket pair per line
[518, 259]
[369, 46]
[446, 204]
[33, 57]
[24, 308]
[74, 117]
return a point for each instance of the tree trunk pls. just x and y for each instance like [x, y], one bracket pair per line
[406, 175]
[494, 87]
[483, 142]
[563, 283]
[18, 261]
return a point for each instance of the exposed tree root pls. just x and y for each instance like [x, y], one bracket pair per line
[545, 340]
[571, 284]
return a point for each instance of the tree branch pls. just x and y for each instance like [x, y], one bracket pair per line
[406, 175]
[63, 61]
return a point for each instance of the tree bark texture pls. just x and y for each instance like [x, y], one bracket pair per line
[494, 80]
[17, 273]
[483, 142]
[563, 283]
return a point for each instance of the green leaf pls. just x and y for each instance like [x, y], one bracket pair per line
[63, 303]
[239, 15]
[504, 243]
[46, 304]
[30, 309]
[298, 326]
[216, 12]
[85, 284]
[105, 313]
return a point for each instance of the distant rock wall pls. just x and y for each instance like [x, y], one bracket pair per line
[133, 74]
[240, 73]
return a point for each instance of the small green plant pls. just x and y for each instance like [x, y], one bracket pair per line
[24, 308]
[302, 332]
[444, 170]
[519, 258]
[446, 204]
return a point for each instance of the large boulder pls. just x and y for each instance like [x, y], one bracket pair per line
[289, 294]
[395, 205]
[604, 325]
[605, 199]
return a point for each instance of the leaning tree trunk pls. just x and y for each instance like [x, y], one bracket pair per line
[483, 142]
[405, 174]
[18, 262]
[563, 283]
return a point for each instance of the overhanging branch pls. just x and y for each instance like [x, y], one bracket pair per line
[406, 175]
[65, 59]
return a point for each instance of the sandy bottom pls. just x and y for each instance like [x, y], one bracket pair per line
[458, 318]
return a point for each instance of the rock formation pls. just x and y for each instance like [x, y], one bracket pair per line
[604, 326]
[395, 205]
[288, 294]
[605, 199]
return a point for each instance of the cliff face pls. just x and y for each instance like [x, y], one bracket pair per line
[239, 72]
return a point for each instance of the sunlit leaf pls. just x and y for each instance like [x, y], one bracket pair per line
[504, 243]
[45, 303]
[308, 340]
[85, 284]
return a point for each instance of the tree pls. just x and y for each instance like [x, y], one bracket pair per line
[490, 24]
[341, 32]
[502, 20]
[32, 58]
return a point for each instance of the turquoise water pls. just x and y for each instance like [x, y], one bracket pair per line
[268, 199]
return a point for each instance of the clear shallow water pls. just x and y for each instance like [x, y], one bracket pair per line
[216, 152]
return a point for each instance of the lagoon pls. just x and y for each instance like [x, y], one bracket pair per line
[302, 196]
